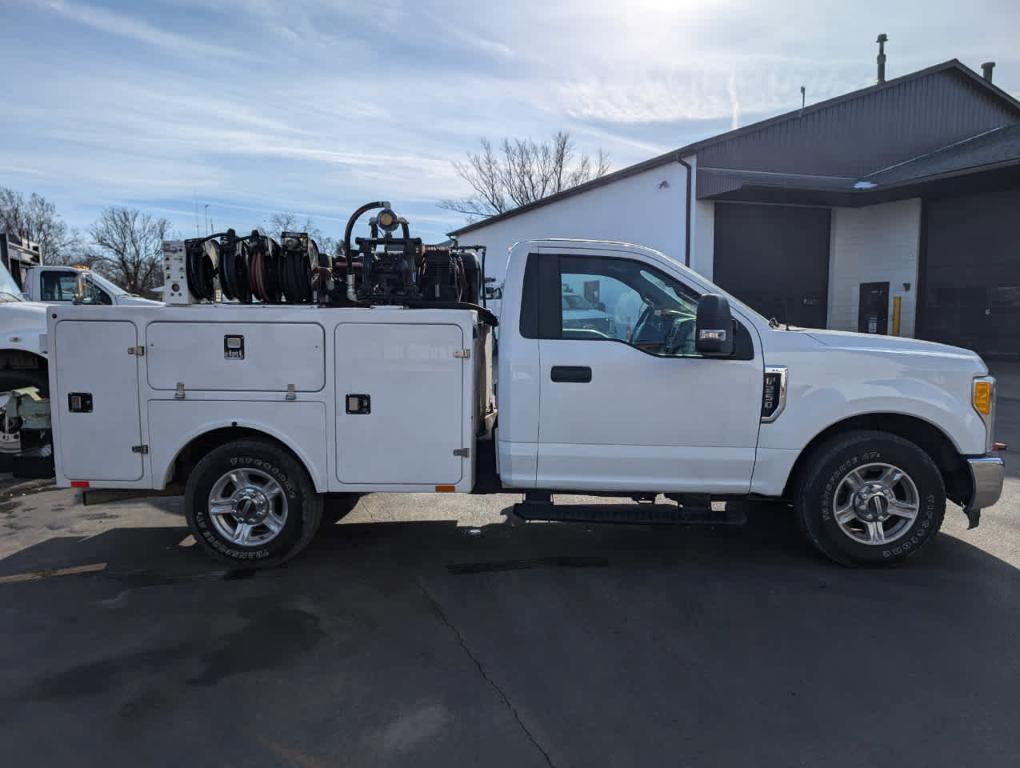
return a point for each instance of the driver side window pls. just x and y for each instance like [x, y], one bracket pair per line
[610, 299]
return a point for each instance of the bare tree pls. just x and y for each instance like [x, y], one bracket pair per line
[129, 246]
[36, 219]
[291, 222]
[522, 171]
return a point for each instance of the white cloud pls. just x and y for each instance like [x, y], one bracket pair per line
[337, 102]
[135, 29]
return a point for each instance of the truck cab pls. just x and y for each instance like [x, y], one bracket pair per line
[648, 406]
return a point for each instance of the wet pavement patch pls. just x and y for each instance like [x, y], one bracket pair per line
[272, 637]
[95, 677]
[537, 562]
[239, 574]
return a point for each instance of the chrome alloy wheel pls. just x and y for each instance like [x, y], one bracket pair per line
[248, 507]
[875, 503]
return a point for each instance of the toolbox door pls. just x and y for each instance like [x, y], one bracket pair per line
[99, 429]
[400, 403]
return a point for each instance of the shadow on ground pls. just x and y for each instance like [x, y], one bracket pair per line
[427, 644]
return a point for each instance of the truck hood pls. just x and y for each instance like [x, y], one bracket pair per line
[23, 314]
[872, 342]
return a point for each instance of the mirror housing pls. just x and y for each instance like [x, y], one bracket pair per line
[714, 334]
[85, 291]
[81, 288]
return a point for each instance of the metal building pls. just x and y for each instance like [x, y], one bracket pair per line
[890, 209]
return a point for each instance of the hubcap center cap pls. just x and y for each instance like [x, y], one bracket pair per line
[871, 503]
[251, 506]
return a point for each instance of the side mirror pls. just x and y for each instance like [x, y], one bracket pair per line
[81, 289]
[84, 290]
[714, 329]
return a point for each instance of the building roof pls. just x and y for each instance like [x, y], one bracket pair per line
[994, 152]
[994, 147]
[1003, 101]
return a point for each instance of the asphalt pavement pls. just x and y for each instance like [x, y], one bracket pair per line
[438, 631]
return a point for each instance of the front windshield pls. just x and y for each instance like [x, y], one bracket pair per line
[9, 290]
[106, 285]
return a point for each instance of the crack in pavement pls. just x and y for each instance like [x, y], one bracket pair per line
[485, 675]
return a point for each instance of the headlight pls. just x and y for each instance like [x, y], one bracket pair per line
[983, 399]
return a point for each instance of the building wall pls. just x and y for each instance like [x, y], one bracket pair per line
[703, 246]
[646, 209]
[874, 244]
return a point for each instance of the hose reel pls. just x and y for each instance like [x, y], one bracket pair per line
[202, 262]
[300, 258]
[264, 259]
[234, 276]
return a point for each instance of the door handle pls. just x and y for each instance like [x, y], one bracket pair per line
[580, 374]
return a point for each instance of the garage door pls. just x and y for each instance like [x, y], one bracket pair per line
[775, 258]
[971, 273]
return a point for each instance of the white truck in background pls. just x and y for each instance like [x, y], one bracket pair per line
[23, 348]
[264, 412]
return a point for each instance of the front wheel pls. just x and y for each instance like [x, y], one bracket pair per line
[251, 503]
[34, 458]
[870, 498]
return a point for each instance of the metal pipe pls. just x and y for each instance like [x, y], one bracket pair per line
[351, 293]
[882, 39]
[687, 214]
[986, 70]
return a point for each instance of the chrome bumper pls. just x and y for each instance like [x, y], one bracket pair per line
[986, 474]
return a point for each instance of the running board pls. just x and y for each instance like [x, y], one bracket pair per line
[626, 513]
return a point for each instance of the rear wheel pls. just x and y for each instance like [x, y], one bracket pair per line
[251, 503]
[870, 498]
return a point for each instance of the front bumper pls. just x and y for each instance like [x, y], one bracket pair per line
[986, 475]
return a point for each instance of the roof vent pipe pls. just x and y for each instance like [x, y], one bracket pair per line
[986, 70]
[882, 38]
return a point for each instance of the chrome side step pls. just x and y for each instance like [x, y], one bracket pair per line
[546, 510]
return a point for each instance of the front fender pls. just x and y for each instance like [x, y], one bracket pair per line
[832, 386]
[827, 387]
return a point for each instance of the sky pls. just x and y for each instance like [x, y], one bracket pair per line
[222, 112]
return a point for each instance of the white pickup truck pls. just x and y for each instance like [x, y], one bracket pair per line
[49, 283]
[266, 413]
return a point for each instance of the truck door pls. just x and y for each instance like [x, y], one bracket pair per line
[873, 308]
[625, 402]
[98, 425]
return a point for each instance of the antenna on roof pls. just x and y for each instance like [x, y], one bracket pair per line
[882, 39]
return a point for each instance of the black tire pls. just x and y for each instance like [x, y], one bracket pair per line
[337, 506]
[304, 504]
[815, 497]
